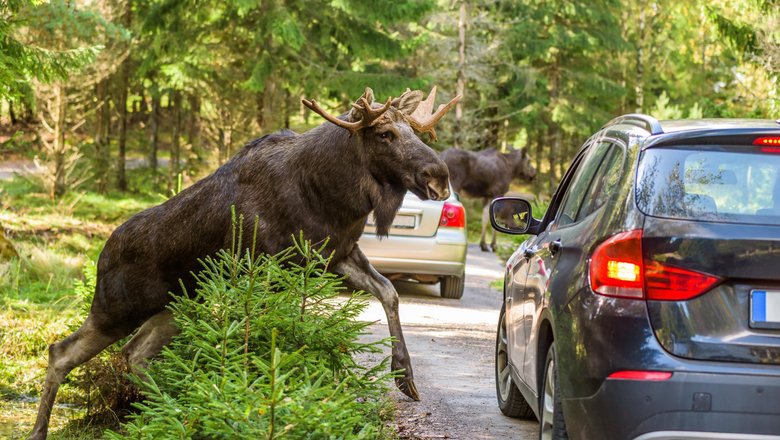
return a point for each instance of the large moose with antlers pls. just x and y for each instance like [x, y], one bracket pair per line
[323, 182]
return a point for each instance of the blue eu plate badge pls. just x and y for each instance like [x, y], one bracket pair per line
[765, 309]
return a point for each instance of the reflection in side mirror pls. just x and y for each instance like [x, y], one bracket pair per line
[511, 215]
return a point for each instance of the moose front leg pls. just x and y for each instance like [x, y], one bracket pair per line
[362, 276]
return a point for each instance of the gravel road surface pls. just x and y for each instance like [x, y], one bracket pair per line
[451, 343]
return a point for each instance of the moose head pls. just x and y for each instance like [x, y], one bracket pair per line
[521, 164]
[386, 134]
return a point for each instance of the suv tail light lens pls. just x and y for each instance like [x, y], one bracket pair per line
[618, 269]
[640, 375]
[453, 215]
[616, 266]
[666, 282]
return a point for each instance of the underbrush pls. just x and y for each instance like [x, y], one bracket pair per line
[266, 348]
[265, 351]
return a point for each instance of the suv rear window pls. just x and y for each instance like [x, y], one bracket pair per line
[734, 184]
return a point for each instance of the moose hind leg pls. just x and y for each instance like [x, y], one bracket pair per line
[151, 337]
[362, 276]
[485, 225]
[64, 356]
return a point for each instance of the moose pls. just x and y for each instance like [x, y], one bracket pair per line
[485, 175]
[323, 182]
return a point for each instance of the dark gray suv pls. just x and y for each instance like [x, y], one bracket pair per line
[646, 303]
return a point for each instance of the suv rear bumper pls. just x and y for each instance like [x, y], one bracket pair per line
[689, 405]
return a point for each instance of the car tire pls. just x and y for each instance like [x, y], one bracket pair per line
[452, 287]
[553, 425]
[510, 400]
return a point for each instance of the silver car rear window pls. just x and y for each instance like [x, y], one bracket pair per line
[732, 184]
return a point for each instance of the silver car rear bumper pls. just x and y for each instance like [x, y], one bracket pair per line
[443, 254]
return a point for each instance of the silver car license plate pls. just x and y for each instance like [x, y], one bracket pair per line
[400, 221]
[765, 309]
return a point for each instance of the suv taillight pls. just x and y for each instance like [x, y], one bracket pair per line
[618, 269]
[453, 215]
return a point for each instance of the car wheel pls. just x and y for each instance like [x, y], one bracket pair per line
[452, 287]
[552, 421]
[510, 401]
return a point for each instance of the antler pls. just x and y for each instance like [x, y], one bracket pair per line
[369, 114]
[423, 121]
[365, 116]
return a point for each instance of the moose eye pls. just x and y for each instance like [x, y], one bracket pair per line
[386, 136]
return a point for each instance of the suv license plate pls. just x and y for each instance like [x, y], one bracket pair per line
[765, 309]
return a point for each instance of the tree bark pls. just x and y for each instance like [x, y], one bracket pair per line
[260, 102]
[121, 177]
[193, 128]
[154, 129]
[639, 90]
[59, 187]
[102, 120]
[461, 85]
[173, 164]
[539, 153]
[11, 113]
[287, 108]
[493, 127]
[124, 80]
[554, 136]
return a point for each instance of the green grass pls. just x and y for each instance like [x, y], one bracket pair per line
[38, 302]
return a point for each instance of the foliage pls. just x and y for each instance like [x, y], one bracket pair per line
[265, 351]
[21, 61]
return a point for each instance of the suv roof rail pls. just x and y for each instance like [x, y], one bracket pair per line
[647, 122]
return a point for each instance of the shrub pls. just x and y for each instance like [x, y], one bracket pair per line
[265, 351]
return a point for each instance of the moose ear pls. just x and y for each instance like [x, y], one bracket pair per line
[407, 103]
[368, 96]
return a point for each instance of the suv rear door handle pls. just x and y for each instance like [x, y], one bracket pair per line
[555, 246]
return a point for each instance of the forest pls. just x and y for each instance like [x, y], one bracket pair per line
[88, 84]
[108, 107]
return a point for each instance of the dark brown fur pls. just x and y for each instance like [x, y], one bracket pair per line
[323, 182]
[486, 175]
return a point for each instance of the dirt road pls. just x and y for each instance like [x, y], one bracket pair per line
[9, 168]
[451, 345]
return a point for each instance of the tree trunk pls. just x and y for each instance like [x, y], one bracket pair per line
[461, 86]
[154, 129]
[287, 108]
[11, 112]
[59, 187]
[121, 181]
[193, 129]
[100, 141]
[124, 81]
[493, 127]
[539, 153]
[640, 60]
[260, 102]
[563, 154]
[173, 164]
[105, 154]
[554, 136]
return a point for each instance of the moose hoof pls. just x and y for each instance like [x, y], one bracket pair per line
[406, 385]
[484, 247]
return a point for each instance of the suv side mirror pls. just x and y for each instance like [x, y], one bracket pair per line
[511, 215]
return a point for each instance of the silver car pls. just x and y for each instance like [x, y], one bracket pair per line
[427, 243]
